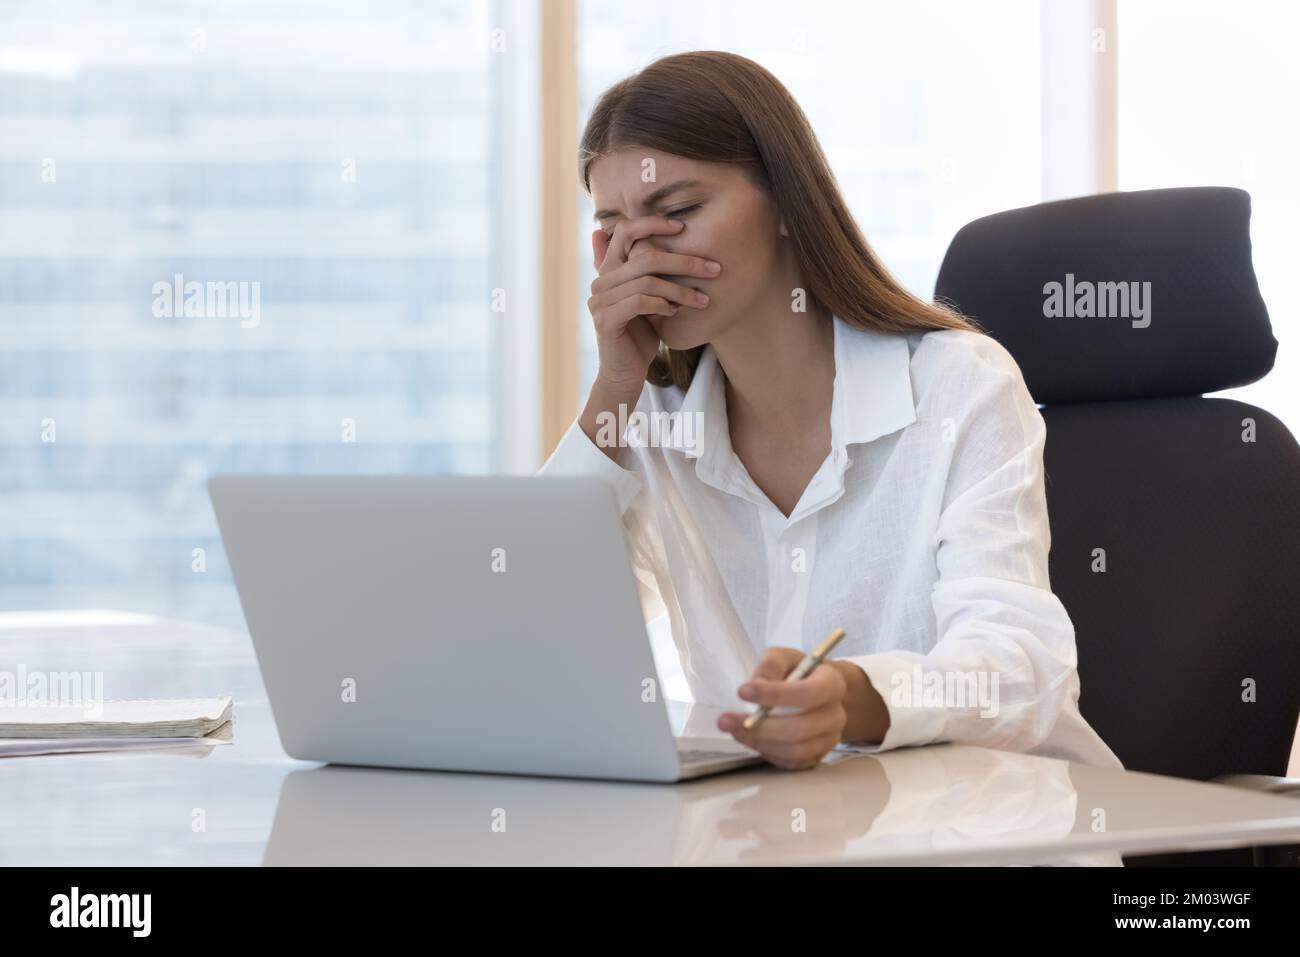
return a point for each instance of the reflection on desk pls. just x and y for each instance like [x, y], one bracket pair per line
[939, 804]
[944, 803]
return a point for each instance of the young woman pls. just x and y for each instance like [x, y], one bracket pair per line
[841, 453]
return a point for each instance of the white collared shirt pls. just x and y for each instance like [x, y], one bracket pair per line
[924, 535]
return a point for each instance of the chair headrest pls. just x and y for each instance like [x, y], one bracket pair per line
[1120, 295]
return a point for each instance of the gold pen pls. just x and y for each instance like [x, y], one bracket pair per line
[801, 670]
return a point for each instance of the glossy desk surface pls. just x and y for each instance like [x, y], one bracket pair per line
[248, 803]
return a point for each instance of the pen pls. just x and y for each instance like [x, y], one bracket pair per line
[801, 670]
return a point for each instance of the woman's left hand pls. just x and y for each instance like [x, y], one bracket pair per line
[792, 741]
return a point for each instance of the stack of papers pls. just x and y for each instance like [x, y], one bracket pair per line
[115, 725]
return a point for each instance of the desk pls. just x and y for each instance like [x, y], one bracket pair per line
[944, 804]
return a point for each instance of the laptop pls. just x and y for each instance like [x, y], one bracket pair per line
[488, 624]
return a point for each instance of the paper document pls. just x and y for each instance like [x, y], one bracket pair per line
[22, 747]
[166, 718]
[185, 724]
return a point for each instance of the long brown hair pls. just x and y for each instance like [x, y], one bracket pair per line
[724, 108]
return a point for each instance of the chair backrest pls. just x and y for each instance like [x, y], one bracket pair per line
[1175, 518]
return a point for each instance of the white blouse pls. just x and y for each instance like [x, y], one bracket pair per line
[924, 535]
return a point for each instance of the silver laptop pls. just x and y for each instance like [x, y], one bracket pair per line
[484, 624]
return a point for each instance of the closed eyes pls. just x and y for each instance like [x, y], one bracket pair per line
[685, 210]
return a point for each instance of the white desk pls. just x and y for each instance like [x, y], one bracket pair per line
[936, 805]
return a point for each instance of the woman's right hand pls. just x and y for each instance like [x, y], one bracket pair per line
[625, 292]
[628, 288]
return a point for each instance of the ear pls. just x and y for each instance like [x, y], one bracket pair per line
[784, 232]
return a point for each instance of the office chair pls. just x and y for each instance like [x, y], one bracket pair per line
[1175, 518]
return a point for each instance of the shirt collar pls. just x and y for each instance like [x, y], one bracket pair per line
[873, 385]
[871, 395]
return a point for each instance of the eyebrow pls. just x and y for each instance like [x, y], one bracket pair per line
[655, 197]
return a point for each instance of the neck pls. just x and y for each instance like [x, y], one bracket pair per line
[780, 369]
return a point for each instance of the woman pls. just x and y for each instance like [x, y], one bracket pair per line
[828, 450]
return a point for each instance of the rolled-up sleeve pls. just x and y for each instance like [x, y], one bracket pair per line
[1003, 672]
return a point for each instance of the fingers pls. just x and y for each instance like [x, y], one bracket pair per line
[629, 231]
[650, 285]
[657, 261]
[776, 663]
[611, 320]
[628, 295]
[793, 728]
[823, 685]
[769, 684]
[790, 741]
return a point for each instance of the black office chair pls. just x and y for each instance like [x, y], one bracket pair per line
[1189, 640]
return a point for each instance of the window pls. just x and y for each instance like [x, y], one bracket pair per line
[1204, 96]
[348, 183]
[322, 171]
